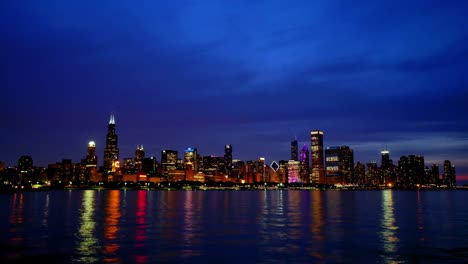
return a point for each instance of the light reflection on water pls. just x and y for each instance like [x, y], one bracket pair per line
[141, 227]
[111, 227]
[294, 226]
[316, 212]
[389, 228]
[87, 242]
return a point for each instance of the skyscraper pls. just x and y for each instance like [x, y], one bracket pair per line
[168, 159]
[316, 148]
[139, 156]
[294, 150]
[111, 151]
[228, 158]
[340, 165]
[410, 171]
[304, 161]
[91, 158]
[387, 169]
[190, 159]
[293, 171]
[435, 173]
[449, 174]
[386, 161]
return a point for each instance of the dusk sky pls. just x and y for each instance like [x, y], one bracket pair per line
[253, 74]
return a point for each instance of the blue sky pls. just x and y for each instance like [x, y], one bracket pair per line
[253, 74]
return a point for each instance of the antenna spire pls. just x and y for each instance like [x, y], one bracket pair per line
[112, 119]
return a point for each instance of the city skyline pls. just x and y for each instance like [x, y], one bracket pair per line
[372, 75]
[317, 147]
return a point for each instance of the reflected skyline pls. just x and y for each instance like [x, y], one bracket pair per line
[191, 234]
[317, 225]
[111, 227]
[88, 243]
[16, 218]
[45, 216]
[240, 226]
[389, 228]
[140, 234]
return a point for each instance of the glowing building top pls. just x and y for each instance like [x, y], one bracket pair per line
[112, 120]
[91, 144]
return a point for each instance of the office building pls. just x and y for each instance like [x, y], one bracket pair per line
[339, 165]
[304, 164]
[316, 149]
[91, 158]
[449, 175]
[294, 150]
[139, 156]
[169, 160]
[111, 151]
[190, 159]
[228, 159]
[410, 171]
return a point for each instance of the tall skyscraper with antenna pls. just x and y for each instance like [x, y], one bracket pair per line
[111, 151]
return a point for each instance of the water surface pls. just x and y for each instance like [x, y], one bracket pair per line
[295, 226]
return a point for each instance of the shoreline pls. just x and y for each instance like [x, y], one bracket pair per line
[11, 190]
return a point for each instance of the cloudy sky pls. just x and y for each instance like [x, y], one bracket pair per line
[254, 74]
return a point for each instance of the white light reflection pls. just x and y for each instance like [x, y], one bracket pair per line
[88, 243]
[389, 227]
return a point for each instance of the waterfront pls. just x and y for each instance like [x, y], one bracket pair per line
[298, 226]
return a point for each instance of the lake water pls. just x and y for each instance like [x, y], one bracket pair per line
[295, 226]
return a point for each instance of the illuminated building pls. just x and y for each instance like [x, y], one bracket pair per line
[347, 164]
[89, 163]
[139, 156]
[129, 166]
[293, 171]
[304, 164]
[238, 169]
[427, 175]
[316, 149]
[91, 158]
[115, 165]
[111, 151]
[386, 161]
[410, 170]
[372, 173]
[228, 159]
[25, 164]
[339, 165]
[283, 171]
[360, 173]
[63, 171]
[212, 165]
[261, 175]
[25, 167]
[190, 159]
[387, 169]
[332, 158]
[169, 159]
[294, 150]
[449, 175]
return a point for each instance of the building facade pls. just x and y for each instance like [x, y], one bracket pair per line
[111, 151]
[316, 149]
